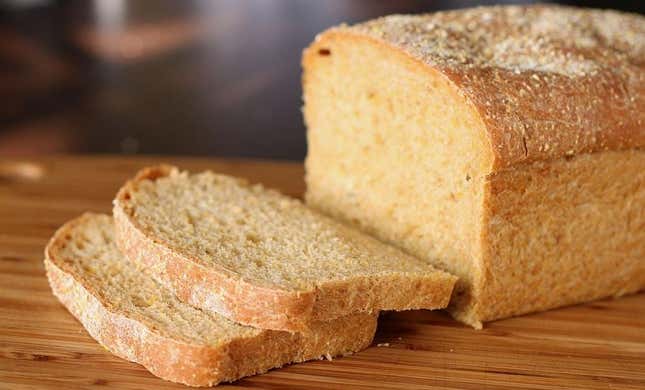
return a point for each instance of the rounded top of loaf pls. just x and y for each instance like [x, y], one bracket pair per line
[550, 39]
[548, 81]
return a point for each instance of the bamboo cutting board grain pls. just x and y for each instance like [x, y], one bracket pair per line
[599, 345]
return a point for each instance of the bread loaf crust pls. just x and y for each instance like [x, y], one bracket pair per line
[184, 362]
[553, 155]
[547, 81]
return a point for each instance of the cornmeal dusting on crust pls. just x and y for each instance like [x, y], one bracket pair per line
[550, 39]
[547, 80]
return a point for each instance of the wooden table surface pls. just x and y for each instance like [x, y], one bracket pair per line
[597, 345]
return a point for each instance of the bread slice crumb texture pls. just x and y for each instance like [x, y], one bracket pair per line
[259, 234]
[138, 319]
[90, 254]
[262, 244]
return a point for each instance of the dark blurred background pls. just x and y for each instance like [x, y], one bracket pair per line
[219, 77]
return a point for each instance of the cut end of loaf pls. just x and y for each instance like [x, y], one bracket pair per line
[395, 149]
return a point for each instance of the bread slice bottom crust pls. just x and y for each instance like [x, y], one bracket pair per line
[190, 362]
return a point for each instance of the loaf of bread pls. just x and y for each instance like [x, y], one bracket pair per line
[261, 258]
[501, 144]
[137, 319]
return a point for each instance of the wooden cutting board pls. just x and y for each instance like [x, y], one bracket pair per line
[600, 345]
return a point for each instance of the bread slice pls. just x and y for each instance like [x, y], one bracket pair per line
[137, 319]
[504, 145]
[261, 258]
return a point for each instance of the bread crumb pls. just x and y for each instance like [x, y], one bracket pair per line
[383, 344]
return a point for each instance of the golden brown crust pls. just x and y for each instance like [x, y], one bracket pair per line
[547, 81]
[222, 291]
[574, 227]
[190, 364]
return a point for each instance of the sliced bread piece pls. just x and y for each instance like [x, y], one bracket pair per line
[261, 258]
[137, 319]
